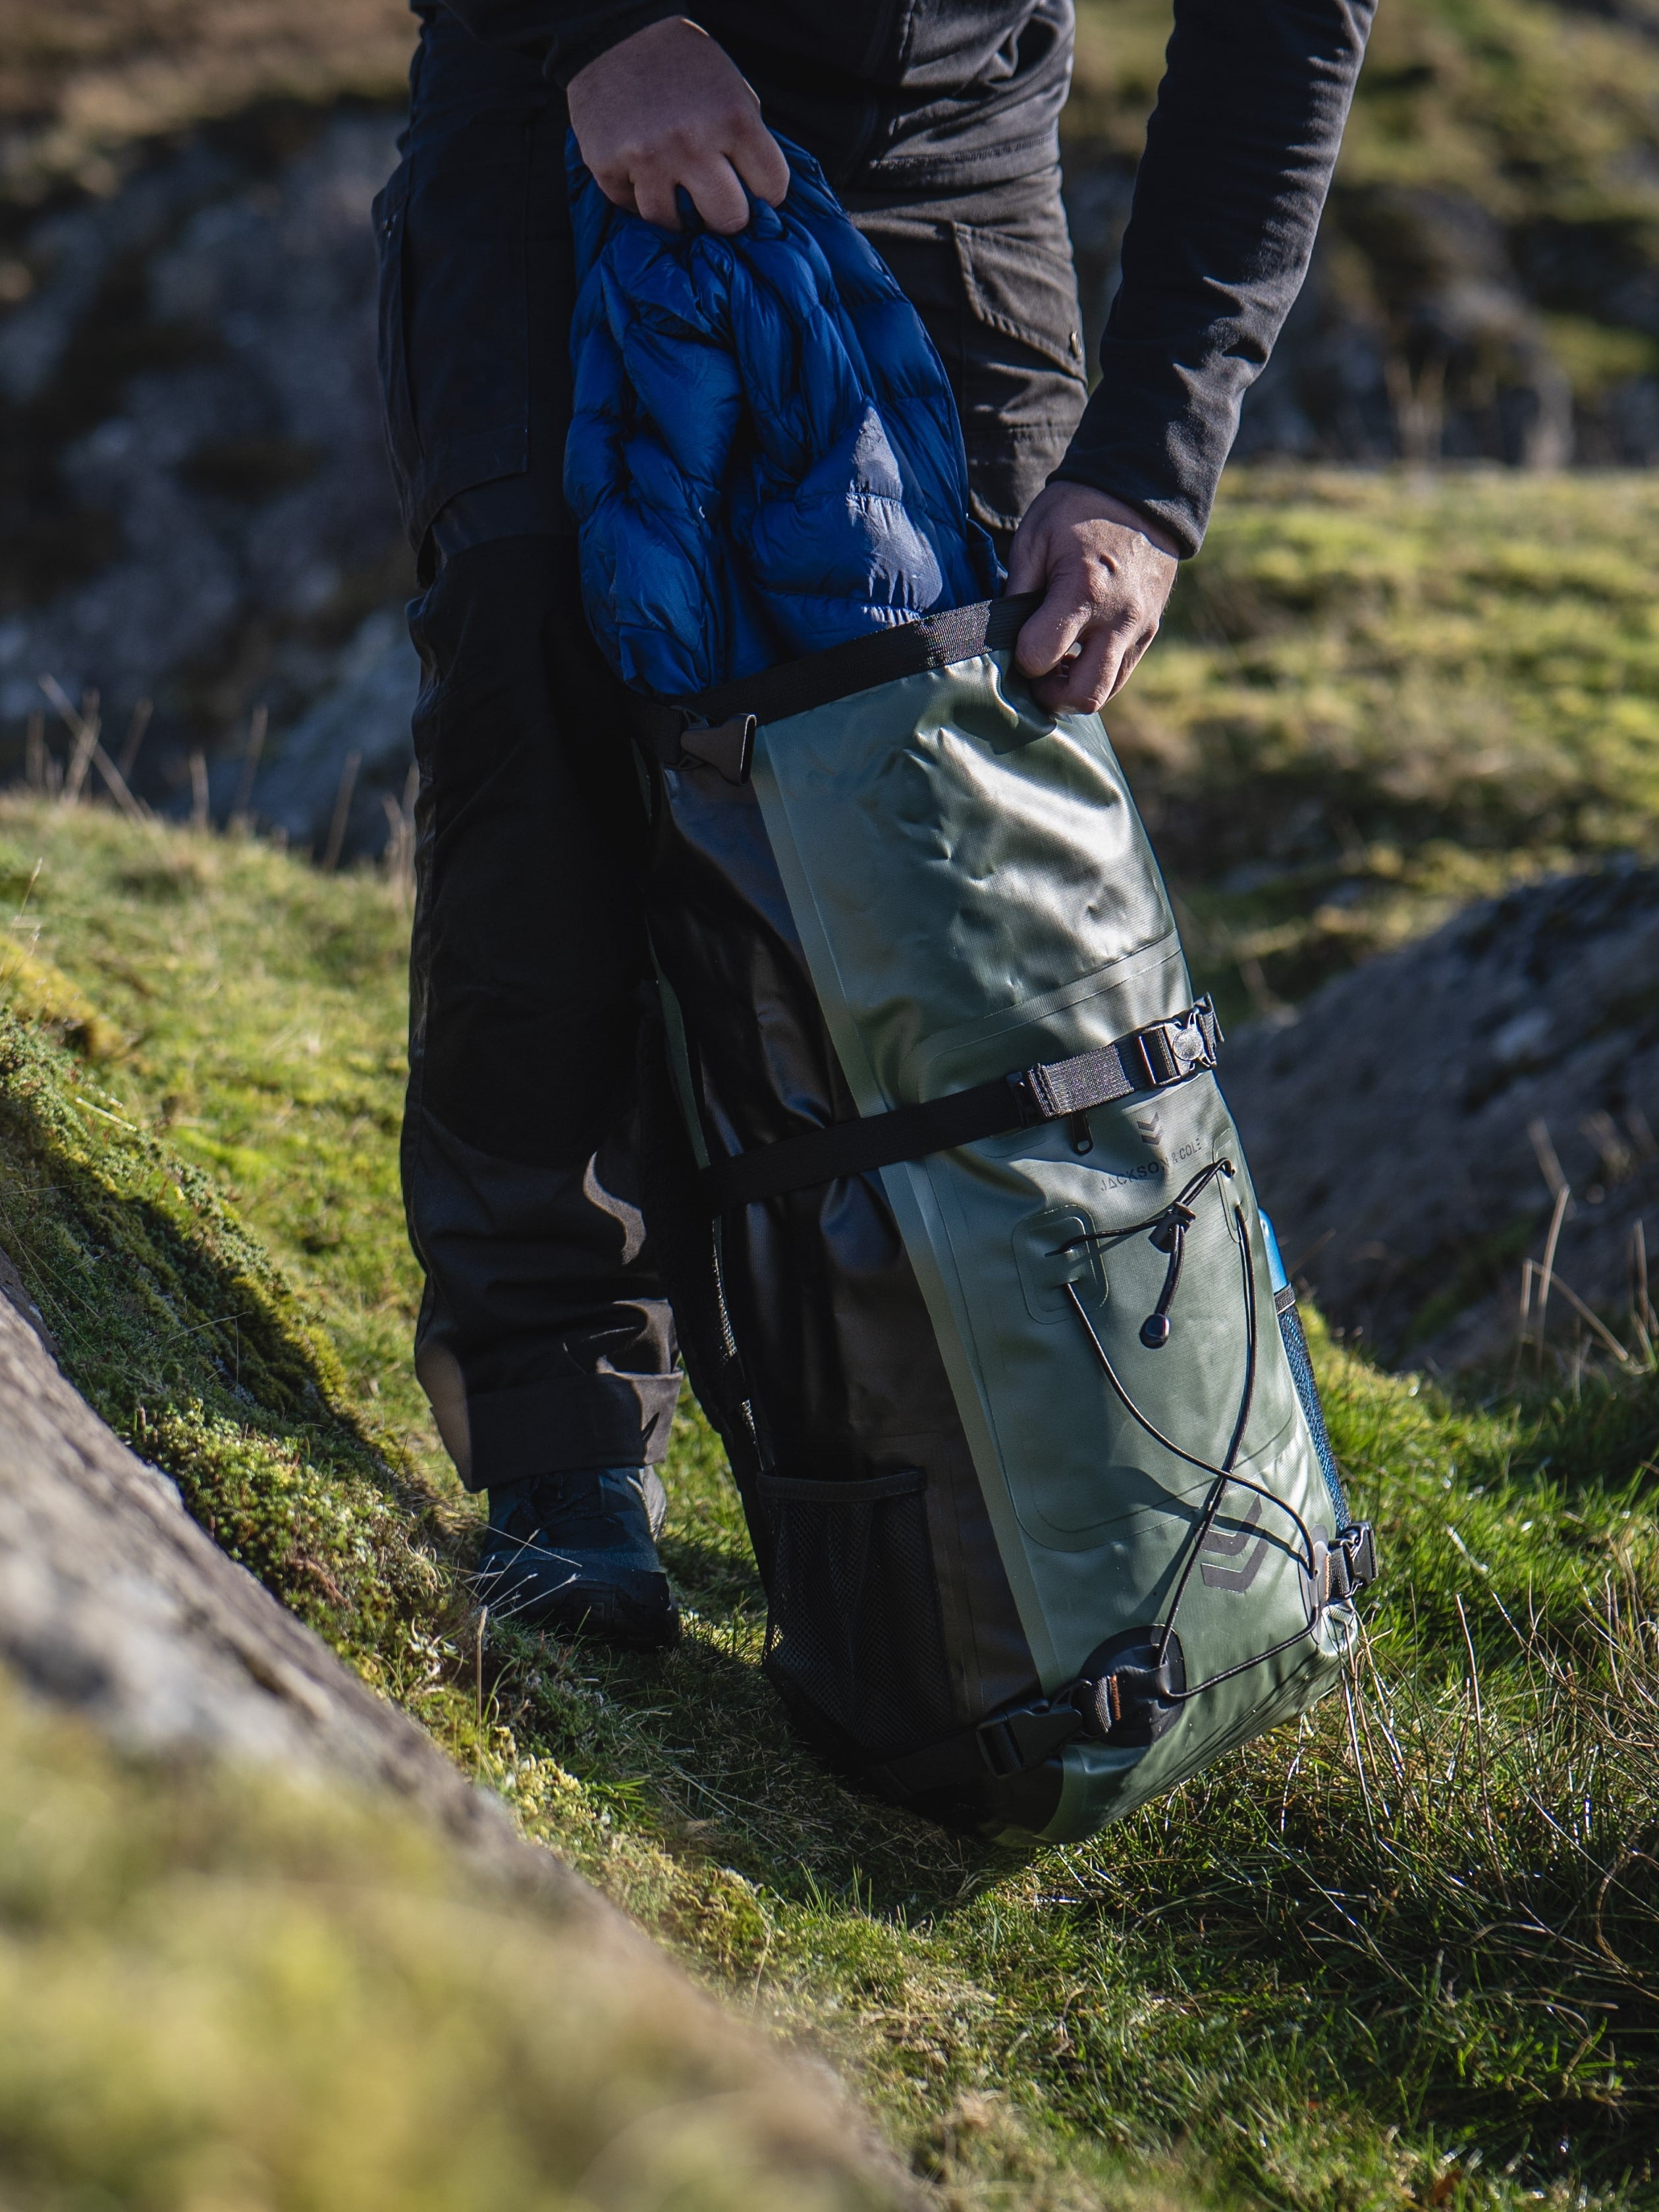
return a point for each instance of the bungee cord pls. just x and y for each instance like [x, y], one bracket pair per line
[1167, 1230]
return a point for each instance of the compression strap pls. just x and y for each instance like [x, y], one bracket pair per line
[1129, 1692]
[716, 729]
[1150, 1059]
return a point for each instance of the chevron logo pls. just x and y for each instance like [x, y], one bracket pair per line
[1230, 1546]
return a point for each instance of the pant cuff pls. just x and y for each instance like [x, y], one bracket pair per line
[570, 1421]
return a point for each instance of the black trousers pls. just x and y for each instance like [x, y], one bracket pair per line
[545, 1341]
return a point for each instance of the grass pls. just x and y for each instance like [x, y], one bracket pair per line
[1378, 697]
[1488, 140]
[1534, 110]
[1406, 1953]
[218, 1990]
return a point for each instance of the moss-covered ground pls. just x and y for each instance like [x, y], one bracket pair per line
[218, 1989]
[1379, 696]
[1406, 1953]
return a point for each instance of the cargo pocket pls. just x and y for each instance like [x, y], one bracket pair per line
[1025, 382]
[398, 410]
[854, 1640]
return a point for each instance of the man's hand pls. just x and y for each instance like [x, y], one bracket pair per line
[667, 107]
[1106, 573]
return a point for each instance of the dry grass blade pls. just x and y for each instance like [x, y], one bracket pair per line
[1640, 1307]
[89, 751]
[134, 809]
[399, 858]
[134, 739]
[1480, 1749]
[1546, 1272]
[1523, 1317]
[258, 723]
[337, 828]
[84, 728]
[1592, 1321]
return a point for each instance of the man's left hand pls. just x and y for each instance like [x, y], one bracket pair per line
[1106, 572]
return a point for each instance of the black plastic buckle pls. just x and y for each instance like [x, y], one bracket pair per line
[1011, 1742]
[1133, 1688]
[728, 747]
[1355, 1548]
[1033, 1106]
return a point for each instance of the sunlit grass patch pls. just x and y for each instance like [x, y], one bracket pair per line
[1405, 1953]
[1379, 696]
[217, 1989]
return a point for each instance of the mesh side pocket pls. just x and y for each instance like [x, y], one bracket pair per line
[854, 1632]
[1302, 1374]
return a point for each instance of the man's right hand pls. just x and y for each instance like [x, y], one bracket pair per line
[668, 108]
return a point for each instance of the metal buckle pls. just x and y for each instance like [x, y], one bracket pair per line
[1184, 1041]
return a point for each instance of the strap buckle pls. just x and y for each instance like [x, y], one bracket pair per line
[1350, 1562]
[1030, 1101]
[728, 747]
[1011, 1742]
[1184, 1045]
[1131, 1691]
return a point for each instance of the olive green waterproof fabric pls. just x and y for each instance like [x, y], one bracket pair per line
[974, 893]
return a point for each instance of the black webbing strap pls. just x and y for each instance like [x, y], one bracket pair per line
[1150, 1059]
[716, 729]
[1010, 1744]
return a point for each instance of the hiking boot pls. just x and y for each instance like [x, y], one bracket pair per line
[577, 1552]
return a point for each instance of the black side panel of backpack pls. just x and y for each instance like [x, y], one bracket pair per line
[891, 1625]
[684, 1247]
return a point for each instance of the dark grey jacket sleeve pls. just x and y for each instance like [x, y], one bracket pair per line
[1239, 155]
[564, 35]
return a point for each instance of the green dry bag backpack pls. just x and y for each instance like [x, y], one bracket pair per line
[962, 1247]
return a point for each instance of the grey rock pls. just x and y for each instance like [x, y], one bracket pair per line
[248, 479]
[1407, 1131]
[366, 714]
[116, 1606]
[72, 253]
[112, 1600]
[12, 1286]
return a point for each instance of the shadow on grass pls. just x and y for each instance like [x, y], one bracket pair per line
[175, 1326]
[705, 1748]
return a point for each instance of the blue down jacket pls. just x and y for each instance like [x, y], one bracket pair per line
[764, 457]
